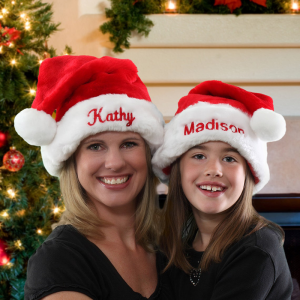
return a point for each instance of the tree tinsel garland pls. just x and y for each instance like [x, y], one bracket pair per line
[128, 16]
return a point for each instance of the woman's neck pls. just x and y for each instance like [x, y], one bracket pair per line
[120, 227]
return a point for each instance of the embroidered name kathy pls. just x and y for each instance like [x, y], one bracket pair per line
[111, 117]
[213, 125]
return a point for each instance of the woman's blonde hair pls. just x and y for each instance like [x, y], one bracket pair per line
[82, 215]
[180, 228]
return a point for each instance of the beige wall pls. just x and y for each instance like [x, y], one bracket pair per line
[258, 53]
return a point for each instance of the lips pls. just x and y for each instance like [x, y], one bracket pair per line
[212, 188]
[209, 188]
[114, 180]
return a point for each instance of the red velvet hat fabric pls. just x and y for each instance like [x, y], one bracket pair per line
[216, 111]
[67, 80]
[217, 92]
[90, 95]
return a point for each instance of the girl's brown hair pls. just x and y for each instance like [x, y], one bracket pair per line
[180, 227]
[82, 215]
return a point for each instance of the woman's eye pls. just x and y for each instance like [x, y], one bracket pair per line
[128, 145]
[229, 159]
[94, 147]
[199, 156]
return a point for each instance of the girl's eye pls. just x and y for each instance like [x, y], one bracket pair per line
[229, 159]
[128, 145]
[199, 156]
[95, 147]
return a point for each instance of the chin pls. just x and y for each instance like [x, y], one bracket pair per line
[212, 210]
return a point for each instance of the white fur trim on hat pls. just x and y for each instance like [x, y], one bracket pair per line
[268, 125]
[35, 127]
[82, 120]
[179, 138]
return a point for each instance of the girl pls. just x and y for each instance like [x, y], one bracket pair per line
[216, 147]
[100, 145]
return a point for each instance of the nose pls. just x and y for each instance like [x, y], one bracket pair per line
[213, 169]
[114, 160]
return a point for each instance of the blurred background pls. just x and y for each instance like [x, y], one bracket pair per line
[257, 52]
[253, 44]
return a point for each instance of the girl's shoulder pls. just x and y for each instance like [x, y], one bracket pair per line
[268, 239]
[265, 244]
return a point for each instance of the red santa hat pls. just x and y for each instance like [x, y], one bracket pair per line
[89, 95]
[216, 111]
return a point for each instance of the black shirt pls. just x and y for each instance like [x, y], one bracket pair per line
[68, 261]
[255, 268]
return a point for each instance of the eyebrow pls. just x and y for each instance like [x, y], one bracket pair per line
[95, 140]
[228, 149]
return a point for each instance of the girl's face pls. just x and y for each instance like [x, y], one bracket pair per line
[212, 177]
[112, 168]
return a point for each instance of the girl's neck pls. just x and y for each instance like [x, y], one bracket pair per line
[206, 226]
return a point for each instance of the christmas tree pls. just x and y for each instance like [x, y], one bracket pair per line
[29, 197]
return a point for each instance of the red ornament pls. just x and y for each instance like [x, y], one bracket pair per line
[231, 4]
[260, 2]
[234, 4]
[13, 160]
[3, 139]
[4, 258]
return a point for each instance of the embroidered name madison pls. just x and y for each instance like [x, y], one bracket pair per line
[213, 125]
[118, 115]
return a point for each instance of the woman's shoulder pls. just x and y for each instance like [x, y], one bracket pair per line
[68, 261]
[64, 233]
[62, 239]
[59, 251]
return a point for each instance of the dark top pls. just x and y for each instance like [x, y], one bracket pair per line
[68, 261]
[255, 268]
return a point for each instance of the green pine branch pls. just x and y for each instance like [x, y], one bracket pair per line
[26, 218]
[128, 17]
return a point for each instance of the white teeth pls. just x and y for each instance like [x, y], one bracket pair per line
[113, 180]
[211, 188]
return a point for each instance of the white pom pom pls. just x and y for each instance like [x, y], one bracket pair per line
[268, 125]
[35, 127]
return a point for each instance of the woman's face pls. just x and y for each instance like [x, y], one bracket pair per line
[112, 168]
[212, 177]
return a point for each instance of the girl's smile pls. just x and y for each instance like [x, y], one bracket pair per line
[212, 188]
[212, 176]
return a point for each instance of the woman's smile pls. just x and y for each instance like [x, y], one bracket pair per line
[115, 183]
[112, 168]
[113, 180]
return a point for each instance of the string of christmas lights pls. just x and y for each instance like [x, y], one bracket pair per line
[30, 200]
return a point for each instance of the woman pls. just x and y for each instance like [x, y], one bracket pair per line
[216, 147]
[100, 145]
